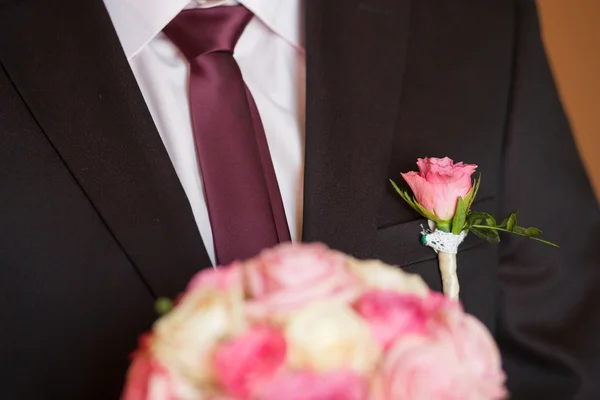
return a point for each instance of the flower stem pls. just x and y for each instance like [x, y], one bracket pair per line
[447, 264]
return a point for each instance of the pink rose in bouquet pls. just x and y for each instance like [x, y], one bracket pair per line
[335, 385]
[250, 361]
[289, 277]
[349, 330]
[453, 358]
[391, 315]
[439, 183]
[150, 379]
[221, 279]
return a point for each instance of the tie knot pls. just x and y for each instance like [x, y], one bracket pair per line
[205, 30]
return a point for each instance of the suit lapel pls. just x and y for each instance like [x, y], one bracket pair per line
[66, 61]
[355, 62]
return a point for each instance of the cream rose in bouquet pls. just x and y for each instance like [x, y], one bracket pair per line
[303, 322]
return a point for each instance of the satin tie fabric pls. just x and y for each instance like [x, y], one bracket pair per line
[242, 195]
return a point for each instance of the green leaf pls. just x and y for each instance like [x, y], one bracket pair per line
[411, 203]
[460, 216]
[163, 305]
[486, 234]
[414, 204]
[511, 222]
[482, 224]
[470, 196]
[405, 196]
[519, 230]
[473, 220]
[478, 217]
[532, 232]
[396, 187]
[425, 212]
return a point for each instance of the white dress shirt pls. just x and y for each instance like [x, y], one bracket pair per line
[272, 62]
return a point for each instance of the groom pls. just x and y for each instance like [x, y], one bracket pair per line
[140, 143]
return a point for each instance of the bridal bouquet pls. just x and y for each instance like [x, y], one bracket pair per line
[303, 322]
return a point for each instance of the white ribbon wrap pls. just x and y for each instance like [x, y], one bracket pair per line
[446, 246]
[443, 241]
[447, 264]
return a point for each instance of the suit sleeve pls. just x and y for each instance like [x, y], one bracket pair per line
[549, 300]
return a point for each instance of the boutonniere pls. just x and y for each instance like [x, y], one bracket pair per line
[443, 192]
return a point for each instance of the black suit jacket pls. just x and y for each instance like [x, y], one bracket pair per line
[94, 222]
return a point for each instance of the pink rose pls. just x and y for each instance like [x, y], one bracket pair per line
[244, 365]
[456, 359]
[337, 385]
[138, 377]
[391, 314]
[292, 275]
[220, 278]
[439, 183]
[149, 379]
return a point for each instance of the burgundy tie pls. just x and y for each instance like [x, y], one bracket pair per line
[242, 195]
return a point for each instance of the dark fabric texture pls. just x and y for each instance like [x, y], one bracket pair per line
[94, 222]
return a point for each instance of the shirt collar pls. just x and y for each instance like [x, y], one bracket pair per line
[138, 21]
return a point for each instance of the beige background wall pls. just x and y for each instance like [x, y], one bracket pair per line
[571, 31]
